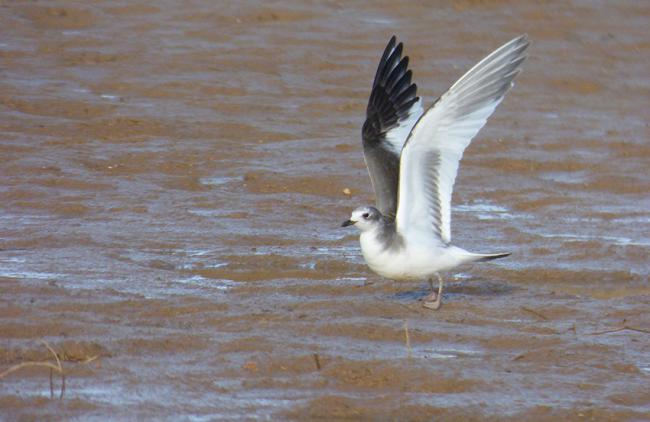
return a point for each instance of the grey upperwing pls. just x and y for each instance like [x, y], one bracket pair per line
[393, 109]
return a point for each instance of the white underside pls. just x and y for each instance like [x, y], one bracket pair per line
[420, 258]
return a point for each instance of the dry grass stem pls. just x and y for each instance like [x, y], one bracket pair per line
[407, 338]
[317, 361]
[28, 364]
[534, 312]
[45, 364]
[624, 328]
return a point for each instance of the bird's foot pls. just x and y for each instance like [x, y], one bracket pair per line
[434, 299]
[431, 297]
[432, 304]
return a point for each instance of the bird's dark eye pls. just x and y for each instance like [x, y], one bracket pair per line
[365, 215]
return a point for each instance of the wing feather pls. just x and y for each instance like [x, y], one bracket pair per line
[393, 109]
[430, 157]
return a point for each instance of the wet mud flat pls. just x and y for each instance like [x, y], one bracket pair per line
[173, 179]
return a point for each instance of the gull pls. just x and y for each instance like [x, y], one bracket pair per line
[412, 157]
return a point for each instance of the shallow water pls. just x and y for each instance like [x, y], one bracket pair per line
[173, 181]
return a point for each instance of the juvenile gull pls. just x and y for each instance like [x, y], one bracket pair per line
[412, 158]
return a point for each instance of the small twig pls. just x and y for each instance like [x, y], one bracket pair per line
[534, 312]
[62, 386]
[89, 359]
[519, 357]
[56, 357]
[28, 364]
[51, 385]
[623, 328]
[58, 368]
[407, 339]
[58, 362]
[317, 361]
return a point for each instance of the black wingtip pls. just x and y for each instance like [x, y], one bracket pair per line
[388, 50]
[490, 257]
[393, 93]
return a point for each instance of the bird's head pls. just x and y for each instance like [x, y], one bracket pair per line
[364, 218]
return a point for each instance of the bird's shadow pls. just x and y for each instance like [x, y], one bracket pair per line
[458, 288]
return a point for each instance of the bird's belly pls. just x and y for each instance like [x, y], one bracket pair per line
[405, 263]
[394, 266]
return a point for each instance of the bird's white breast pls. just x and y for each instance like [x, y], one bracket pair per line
[415, 259]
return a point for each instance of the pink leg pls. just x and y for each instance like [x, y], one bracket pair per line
[431, 297]
[434, 299]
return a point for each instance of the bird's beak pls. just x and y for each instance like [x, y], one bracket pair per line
[347, 223]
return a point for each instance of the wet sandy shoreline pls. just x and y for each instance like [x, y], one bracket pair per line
[173, 186]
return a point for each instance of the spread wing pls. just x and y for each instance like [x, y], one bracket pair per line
[393, 109]
[429, 160]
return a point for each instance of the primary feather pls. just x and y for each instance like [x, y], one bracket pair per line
[393, 109]
[429, 159]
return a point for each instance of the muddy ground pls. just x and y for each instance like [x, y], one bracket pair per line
[173, 178]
